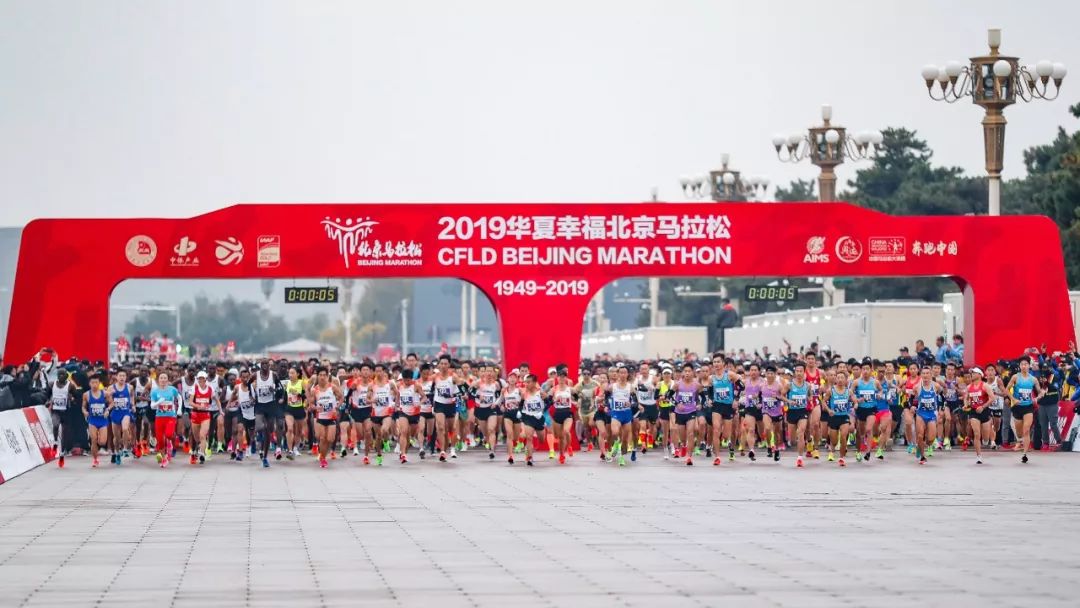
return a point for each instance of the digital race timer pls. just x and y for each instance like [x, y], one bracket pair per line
[771, 293]
[311, 295]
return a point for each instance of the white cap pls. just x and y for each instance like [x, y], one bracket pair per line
[234, 371]
[201, 374]
[976, 370]
[551, 370]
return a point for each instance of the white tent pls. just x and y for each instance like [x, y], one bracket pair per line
[301, 347]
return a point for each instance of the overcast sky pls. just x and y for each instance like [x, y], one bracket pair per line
[176, 108]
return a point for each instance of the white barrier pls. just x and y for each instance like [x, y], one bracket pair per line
[26, 440]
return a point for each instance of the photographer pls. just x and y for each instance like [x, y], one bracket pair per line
[1051, 379]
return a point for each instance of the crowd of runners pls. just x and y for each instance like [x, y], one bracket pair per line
[809, 407]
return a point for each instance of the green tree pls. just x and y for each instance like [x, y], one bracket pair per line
[311, 327]
[1052, 188]
[797, 191]
[380, 306]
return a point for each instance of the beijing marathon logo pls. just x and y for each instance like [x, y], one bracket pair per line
[355, 245]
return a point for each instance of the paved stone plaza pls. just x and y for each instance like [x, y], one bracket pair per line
[480, 533]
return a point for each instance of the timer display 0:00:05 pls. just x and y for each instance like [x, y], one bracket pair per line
[311, 295]
[755, 293]
[546, 288]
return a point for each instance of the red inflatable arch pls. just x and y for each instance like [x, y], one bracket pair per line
[541, 263]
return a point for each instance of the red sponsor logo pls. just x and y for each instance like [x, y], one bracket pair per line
[887, 249]
[268, 251]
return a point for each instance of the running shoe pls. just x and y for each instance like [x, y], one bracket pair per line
[60, 461]
[922, 459]
[562, 458]
[689, 462]
[322, 463]
[880, 453]
[509, 460]
[708, 452]
[666, 456]
[220, 448]
[368, 460]
[355, 451]
[866, 456]
[750, 455]
[622, 460]
[716, 462]
[491, 455]
[453, 453]
[202, 459]
[277, 453]
[232, 455]
[697, 451]
[948, 445]
[633, 456]
[344, 451]
[94, 462]
[799, 462]
[289, 454]
[378, 460]
[239, 455]
[1024, 458]
[423, 454]
[209, 453]
[929, 451]
[731, 456]
[193, 459]
[776, 455]
[397, 448]
[403, 459]
[978, 460]
[551, 454]
[442, 457]
[529, 461]
[816, 454]
[831, 457]
[911, 448]
[841, 462]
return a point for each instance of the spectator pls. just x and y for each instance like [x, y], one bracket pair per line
[922, 353]
[958, 349]
[1046, 423]
[943, 352]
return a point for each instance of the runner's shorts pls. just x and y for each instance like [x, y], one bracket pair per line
[562, 415]
[651, 413]
[622, 416]
[835, 422]
[537, 424]
[117, 416]
[726, 411]
[296, 413]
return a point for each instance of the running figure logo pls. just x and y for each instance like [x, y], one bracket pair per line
[229, 251]
[349, 234]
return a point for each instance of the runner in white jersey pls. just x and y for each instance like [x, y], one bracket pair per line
[239, 409]
[323, 400]
[533, 404]
[562, 417]
[511, 406]
[407, 417]
[446, 383]
[645, 385]
[383, 403]
[425, 431]
[59, 400]
[488, 395]
[265, 387]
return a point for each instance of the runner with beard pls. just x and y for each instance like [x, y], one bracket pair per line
[265, 387]
[144, 414]
[63, 394]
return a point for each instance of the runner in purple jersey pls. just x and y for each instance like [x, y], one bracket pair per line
[686, 407]
[772, 408]
[752, 408]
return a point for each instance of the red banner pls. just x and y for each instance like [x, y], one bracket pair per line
[541, 263]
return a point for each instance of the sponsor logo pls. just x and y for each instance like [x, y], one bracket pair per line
[887, 249]
[182, 253]
[140, 250]
[355, 245]
[848, 249]
[229, 252]
[268, 251]
[815, 251]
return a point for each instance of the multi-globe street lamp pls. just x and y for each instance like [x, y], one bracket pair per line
[994, 82]
[724, 184]
[827, 146]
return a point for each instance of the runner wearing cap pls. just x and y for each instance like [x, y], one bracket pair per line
[666, 405]
[977, 403]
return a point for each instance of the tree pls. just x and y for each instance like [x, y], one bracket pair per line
[1052, 188]
[380, 305]
[313, 326]
[797, 191]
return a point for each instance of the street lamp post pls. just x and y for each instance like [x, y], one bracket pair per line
[827, 146]
[994, 82]
[724, 184]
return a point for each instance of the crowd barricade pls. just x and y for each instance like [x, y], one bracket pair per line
[26, 440]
